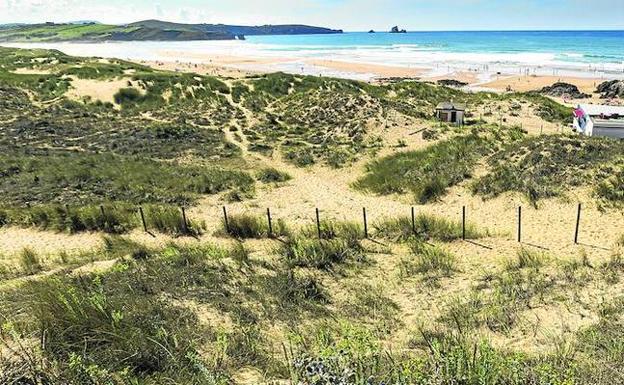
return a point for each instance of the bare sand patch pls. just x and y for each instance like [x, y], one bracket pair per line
[462, 76]
[92, 89]
[15, 239]
[200, 68]
[31, 71]
[532, 83]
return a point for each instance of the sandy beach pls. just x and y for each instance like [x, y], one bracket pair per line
[241, 66]
[379, 71]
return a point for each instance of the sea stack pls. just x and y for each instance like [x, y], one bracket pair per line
[396, 29]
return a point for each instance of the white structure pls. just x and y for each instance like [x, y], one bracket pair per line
[599, 120]
[451, 112]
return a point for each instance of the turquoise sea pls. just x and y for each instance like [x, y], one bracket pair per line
[597, 54]
[588, 47]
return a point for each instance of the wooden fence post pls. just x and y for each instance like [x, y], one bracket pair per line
[519, 223]
[464, 223]
[270, 223]
[413, 221]
[318, 223]
[103, 215]
[225, 220]
[143, 219]
[184, 223]
[365, 223]
[578, 222]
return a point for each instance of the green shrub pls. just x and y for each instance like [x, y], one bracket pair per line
[96, 329]
[292, 290]
[427, 173]
[272, 175]
[549, 165]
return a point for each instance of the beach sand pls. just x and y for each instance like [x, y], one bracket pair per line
[241, 66]
[380, 71]
[531, 83]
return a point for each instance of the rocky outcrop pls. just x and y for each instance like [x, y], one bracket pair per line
[396, 29]
[611, 89]
[451, 83]
[561, 89]
[371, 31]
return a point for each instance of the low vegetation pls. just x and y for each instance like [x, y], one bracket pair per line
[547, 166]
[108, 218]
[272, 175]
[427, 227]
[245, 226]
[427, 173]
[427, 259]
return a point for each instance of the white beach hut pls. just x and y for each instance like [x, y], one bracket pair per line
[451, 112]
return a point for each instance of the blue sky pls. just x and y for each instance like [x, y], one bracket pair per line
[351, 15]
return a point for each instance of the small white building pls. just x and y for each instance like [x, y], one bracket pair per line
[451, 112]
[599, 120]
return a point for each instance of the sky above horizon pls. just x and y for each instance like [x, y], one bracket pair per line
[350, 15]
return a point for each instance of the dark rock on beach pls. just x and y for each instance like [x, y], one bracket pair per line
[451, 83]
[561, 89]
[611, 89]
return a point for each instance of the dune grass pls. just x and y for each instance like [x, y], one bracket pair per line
[116, 218]
[322, 254]
[425, 226]
[427, 259]
[350, 231]
[426, 173]
[526, 258]
[549, 165]
[245, 226]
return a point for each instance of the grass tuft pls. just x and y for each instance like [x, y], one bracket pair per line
[272, 175]
[527, 259]
[428, 259]
[30, 261]
[246, 226]
[319, 253]
[426, 226]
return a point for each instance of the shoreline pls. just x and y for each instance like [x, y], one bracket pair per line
[240, 60]
[239, 66]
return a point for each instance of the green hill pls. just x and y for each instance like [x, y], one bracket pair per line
[153, 30]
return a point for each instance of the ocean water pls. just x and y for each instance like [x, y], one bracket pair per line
[563, 53]
[588, 51]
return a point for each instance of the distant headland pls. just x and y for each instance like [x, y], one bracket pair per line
[147, 30]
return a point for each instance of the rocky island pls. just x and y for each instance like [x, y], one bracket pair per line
[396, 29]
